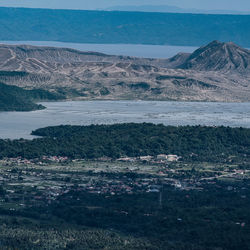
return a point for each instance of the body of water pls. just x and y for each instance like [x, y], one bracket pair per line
[138, 50]
[20, 124]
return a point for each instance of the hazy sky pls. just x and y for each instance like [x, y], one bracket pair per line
[237, 5]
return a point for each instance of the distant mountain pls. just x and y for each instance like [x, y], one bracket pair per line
[218, 56]
[147, 8]
[216, 72]
[20, 24]
[171, 9]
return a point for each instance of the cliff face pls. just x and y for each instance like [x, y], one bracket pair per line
[216, 72]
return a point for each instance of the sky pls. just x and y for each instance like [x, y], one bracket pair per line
[239, 5]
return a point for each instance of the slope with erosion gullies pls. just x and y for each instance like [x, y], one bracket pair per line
[219, 56]
[217, 72]
[17, 57]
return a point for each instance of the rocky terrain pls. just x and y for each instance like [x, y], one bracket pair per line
[216, 72]
[216, 56]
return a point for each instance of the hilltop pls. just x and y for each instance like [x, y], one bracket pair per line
[219, 56]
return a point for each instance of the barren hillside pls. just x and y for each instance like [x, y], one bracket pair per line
[216, 72]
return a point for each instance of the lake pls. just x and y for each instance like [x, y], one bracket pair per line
[138, 50]
[20, 124]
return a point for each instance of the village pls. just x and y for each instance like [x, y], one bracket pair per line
[159, 159]
[38, 182]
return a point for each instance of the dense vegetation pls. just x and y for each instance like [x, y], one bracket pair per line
[122, 27]
[13, 98]
[187, 219]
[112, 205]
[190, 142]
[213, 219]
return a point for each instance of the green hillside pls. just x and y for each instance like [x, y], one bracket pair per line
[122, 27]
[133, 140]
[13, 98]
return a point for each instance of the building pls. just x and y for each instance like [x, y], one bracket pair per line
[162, 157]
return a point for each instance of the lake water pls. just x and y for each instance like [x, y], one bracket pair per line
[20, 124]
[138, 50]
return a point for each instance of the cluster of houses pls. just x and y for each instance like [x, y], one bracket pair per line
[161, 158]
[57, 159]
[40, 194]
[45, 187]
[124, 186]
[22, 161]
[15, 161]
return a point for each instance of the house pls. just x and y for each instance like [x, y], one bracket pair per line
[153, 190]
[162, 157]
[126, 159]
[172, 157]
[146, 158]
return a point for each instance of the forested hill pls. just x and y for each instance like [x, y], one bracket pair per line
[122, 27]
[90, 142]
[13, 98]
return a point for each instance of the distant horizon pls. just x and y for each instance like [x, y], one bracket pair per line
[123, 9]
[195, 5]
